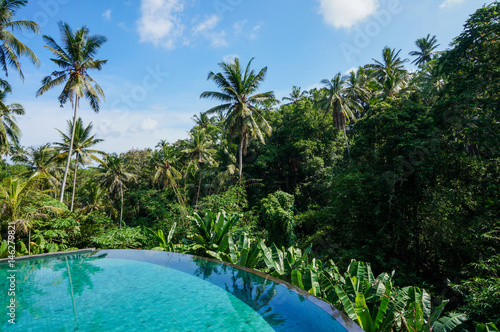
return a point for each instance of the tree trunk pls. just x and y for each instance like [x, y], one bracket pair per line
[347, 143]
[74, 183]
[241, 155]
[63, 184]
[121, 206]
[199, 186]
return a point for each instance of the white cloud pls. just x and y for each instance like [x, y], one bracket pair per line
[217, 39]
[238, 26]
[351, 70]
[107, 15]
[450, 3]
[345, 14]
[209, 24]
[159, 22]
[229, 57]
[207, 30]
[112, 125]
[255, 31]
[147, 125]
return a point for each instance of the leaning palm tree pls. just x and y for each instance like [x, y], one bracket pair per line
[341, 102]
[9, 131]
[426, 47]
[10, 47]
[82, 143]
[75, 59]
[114, 176]
[241, 102]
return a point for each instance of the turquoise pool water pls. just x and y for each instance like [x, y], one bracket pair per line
[129, 290]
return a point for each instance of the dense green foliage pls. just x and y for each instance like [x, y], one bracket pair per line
[384, 165]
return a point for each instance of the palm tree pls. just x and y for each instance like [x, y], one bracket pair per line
[114, 176]
[238, 94]
[426, 47]
[42, 161]
[15, 195]
[166, 173]
[390, 65]
[9, 131]
[10, 47]
[75, 59]
[296, 95]
[341, 102]
[200, 152]
[82, 143]
[390, 75]
[202, 120]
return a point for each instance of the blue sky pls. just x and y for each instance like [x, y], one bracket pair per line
[160, 51]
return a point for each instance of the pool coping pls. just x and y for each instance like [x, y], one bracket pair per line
[339, 316]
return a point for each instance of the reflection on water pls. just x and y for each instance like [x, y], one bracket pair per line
[255, 291]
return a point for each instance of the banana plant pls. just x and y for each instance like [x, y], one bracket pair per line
[364, 298]
[308, 277]
[165, 244]
[281, 262]
[421, 316]
[4, 249]
[243, 252]
[211, 229]
[486, 328]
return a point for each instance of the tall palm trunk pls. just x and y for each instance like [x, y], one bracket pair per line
[199, 187]
[347, 143]
[121, 206]
[63, 185]
[74, 183]
[241, 154]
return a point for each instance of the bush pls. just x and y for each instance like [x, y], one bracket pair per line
[278, 218]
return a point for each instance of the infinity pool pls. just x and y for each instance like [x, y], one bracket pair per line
[129, 290]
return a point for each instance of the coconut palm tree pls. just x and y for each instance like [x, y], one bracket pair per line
[390, 75]
[339, 100]
[15, 195]
[9, 131]
[296, 95]
[10, 47]
[390, 66]
[75, 58]
[241, 102]
[114, 176]
[202, 120]
[164, 160]
[426, 48]
[82, 143]
[42, 161]
[200, 152]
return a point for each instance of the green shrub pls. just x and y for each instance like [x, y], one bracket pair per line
[278, 218]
